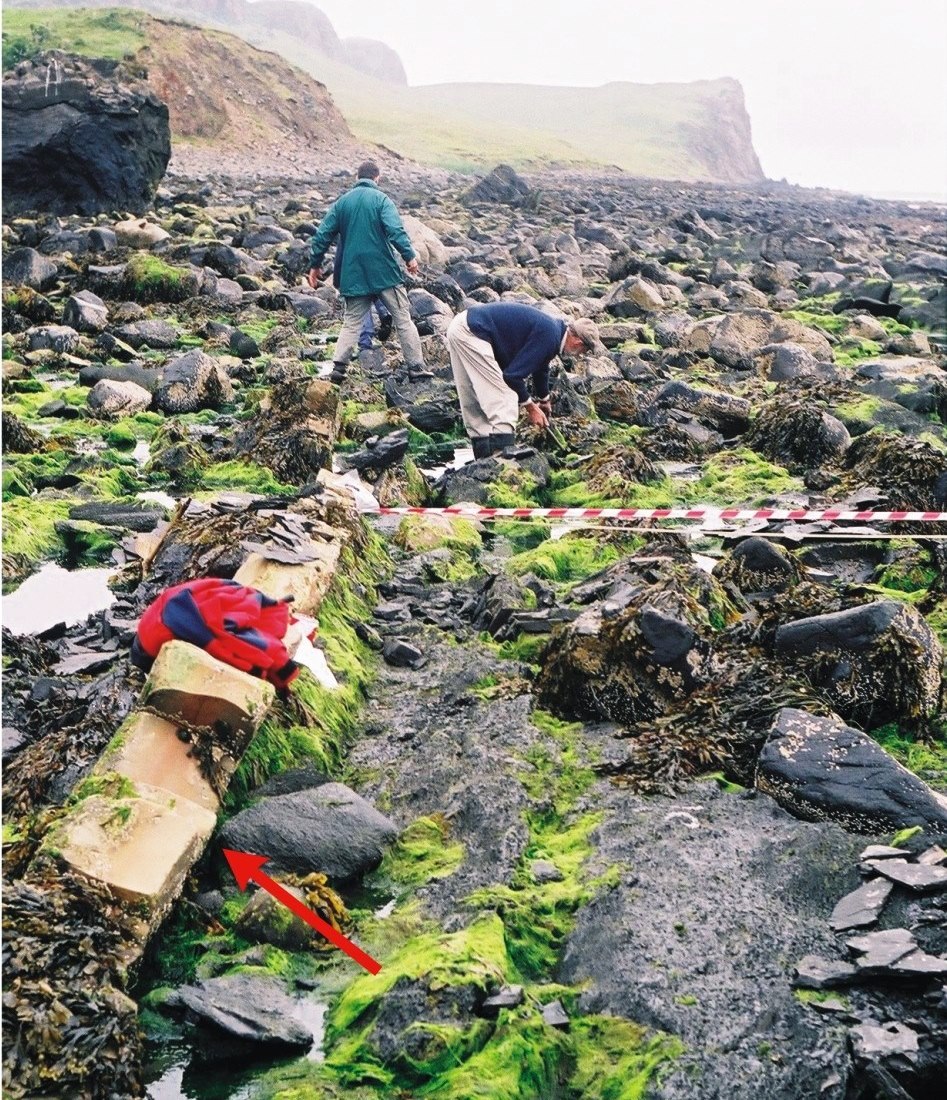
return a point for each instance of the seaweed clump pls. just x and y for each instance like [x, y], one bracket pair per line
[67, 1025]
[722, 726]
[797, 434]
[912, 473]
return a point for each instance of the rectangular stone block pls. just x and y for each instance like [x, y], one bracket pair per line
[147, 749]
[307, 583]
[141, 845]
[188, 687]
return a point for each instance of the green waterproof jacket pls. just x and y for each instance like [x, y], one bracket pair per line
[369, 228]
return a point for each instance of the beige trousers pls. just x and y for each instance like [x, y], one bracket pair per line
[487, 404]
[356, 306]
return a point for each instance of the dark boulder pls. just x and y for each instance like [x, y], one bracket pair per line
[191, 382]
[378, 453]
[822, 770]
[638, 650]
[329, 829]
[152, 333]
[719, 411]
[81, 136]
[501, 185]
[27, 267]
[131, 516]
[757, 566]
[146, 377]
[877, 662]
[85, 312]
[798, 434]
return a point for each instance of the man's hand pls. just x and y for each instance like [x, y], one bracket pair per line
[413, 266]
[545, 403]
[535, 415]
[314, 277]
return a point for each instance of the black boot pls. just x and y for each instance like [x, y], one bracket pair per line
[481, 446]
[337, 377]
[419, 373]
[501, 442]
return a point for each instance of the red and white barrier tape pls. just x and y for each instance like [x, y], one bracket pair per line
[698, 513]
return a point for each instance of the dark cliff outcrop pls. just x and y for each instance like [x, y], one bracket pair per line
[81, 137]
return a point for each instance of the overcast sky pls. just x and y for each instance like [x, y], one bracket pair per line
[850, 94]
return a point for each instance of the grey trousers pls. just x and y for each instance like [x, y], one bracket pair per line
[487, 404]
[396, 299]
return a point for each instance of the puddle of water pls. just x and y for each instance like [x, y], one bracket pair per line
[462, 455]
[187, 1078]
[367, 895]
[142, 452]
[157, 497]
[312, 1015]
[56, 595]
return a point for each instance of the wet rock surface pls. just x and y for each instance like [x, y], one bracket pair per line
[245, 1009]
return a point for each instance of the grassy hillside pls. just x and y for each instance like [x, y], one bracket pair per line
[645, 129]
[696, 131]
[114, 33]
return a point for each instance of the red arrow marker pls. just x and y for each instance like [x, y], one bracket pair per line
[246, 868]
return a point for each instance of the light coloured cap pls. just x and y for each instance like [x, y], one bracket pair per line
[587, 332]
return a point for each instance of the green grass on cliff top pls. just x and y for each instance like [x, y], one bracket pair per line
[112, 33]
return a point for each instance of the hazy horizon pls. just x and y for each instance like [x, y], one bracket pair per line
[847, 94]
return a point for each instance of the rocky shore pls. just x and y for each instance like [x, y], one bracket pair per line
[623, 809]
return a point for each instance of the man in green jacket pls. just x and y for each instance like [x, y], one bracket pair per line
[369, 230]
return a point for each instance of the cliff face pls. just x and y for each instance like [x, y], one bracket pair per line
[722, 140]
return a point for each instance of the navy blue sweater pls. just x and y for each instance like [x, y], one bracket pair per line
[524, 342]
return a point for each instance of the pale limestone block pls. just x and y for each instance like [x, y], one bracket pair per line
[307, 582]
[142, 846]
[139, 233]
[189, 687]
[147, 749]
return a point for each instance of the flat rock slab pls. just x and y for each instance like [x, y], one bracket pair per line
[932, 856]
[881, 949]
[882, 851]
[814, 972]
[873, 1040]
[862, 906]
[820, 769]
[920, 877]
[251, 1009]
